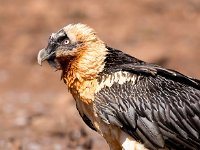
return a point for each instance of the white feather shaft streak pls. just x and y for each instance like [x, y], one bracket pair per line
[117, 77]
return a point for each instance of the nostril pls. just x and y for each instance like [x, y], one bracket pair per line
[51, 47]
[48, 50]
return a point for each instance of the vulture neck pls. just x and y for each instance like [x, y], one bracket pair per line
[84, 67]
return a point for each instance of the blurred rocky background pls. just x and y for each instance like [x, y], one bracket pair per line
[36, 110]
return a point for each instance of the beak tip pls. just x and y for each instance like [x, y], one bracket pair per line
[41, 56]
[40, 63]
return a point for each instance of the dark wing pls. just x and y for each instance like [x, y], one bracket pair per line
[88, 122]
[161, 109]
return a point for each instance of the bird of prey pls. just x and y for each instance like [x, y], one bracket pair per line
[133, 104]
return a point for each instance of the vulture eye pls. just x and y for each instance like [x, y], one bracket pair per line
[65, 42]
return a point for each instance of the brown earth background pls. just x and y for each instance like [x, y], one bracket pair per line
[36, 110]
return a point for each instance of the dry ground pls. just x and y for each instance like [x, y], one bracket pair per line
[36, 110]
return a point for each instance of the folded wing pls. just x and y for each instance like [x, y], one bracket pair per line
[161, 108]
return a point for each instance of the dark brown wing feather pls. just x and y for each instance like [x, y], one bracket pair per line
[161, 109]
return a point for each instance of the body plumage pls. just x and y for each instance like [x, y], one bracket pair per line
[131, 103]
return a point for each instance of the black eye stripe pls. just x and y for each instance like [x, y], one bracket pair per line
[62, 38]
[58, 37]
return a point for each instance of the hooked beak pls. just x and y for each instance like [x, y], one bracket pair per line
[42, 56]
